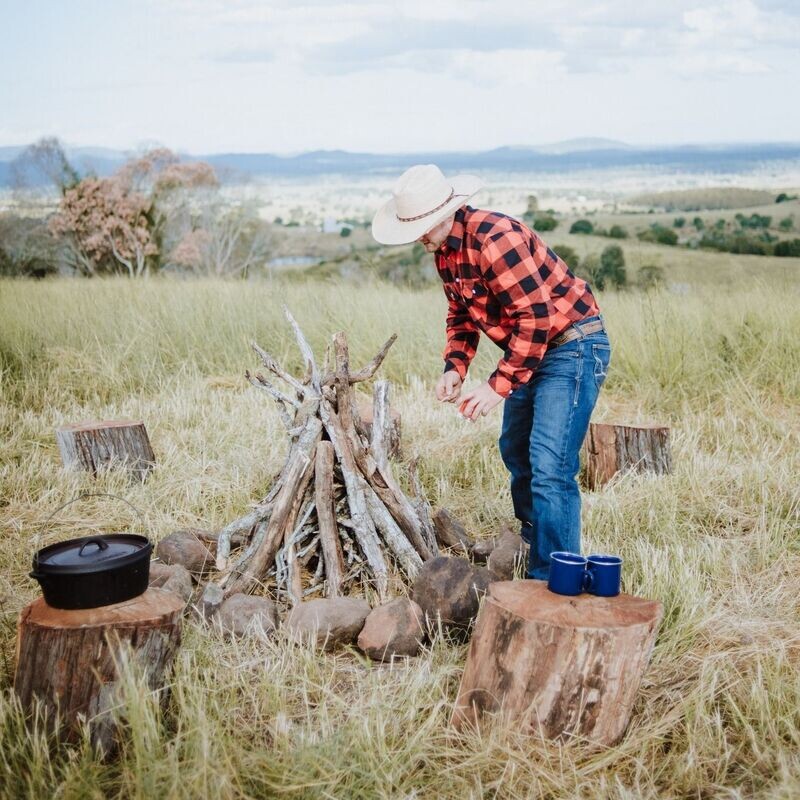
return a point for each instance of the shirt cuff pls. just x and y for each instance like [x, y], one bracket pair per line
[456, 364]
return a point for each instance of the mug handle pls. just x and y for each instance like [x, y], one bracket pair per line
[588, 580]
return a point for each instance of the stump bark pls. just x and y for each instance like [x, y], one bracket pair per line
[557, 666]
[71, 660]
[93, 446]
[609, 449]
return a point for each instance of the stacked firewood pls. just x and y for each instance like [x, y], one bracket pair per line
[335, 514]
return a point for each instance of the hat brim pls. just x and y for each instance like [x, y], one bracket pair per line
[388, 229]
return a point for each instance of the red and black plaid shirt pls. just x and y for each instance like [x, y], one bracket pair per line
[502, 279]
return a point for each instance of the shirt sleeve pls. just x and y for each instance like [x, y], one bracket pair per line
[513, 272]
[463, 336]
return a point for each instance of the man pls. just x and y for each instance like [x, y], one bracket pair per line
[502, 279]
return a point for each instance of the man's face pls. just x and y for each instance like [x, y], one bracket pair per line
[434, 238]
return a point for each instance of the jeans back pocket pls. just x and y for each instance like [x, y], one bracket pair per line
[602, 358]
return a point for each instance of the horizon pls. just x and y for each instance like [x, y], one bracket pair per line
[639, 146]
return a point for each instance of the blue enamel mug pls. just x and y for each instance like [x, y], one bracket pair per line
[606, 572]
[568, 574]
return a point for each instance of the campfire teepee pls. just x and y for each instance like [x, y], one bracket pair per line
[335, 514]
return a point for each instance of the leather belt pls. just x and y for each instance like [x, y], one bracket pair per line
[576, 331]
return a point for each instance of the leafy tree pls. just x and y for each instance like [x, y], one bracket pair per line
[698, 223]
[678, 222]
[783, 197]
[582, 226]
[42, 163]
[345, 231]
[118, 224]
[786, 224]
[618, 232]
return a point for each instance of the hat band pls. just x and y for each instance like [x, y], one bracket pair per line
[432, 211]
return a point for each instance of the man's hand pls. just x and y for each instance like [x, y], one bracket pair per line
[479, 402]
[448, 387]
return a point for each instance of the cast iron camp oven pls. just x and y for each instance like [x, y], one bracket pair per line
[93, 571]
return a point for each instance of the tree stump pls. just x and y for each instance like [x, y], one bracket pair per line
[609, 449]
[70, 660]
[109, 443]
[557, 666]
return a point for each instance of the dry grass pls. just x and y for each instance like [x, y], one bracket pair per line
[717, 541]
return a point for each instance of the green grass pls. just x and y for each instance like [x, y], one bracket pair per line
[717, 542]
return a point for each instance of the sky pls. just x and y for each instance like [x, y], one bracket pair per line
[212, 76]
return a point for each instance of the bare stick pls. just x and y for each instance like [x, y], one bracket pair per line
[365, 531]
[305, 349]
[365, 373]
[260, 382]
[243, 525]
[273, 366]
[380, 425]
[331, 546]
[423, 508]
[406, 555]
[296, 478]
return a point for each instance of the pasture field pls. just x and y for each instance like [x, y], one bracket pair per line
[718, 541]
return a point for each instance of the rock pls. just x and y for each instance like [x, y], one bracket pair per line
[450, 588]
[243, 614]
[503, 559]
[335, 621]
[210, 538]
[186, 547]
[172, 577]
[393, 629]
[482, 549]
[210, 601]
[450, 532]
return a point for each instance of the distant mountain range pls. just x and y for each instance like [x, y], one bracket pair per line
[568, 156]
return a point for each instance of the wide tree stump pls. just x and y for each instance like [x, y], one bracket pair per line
[609, 449]
[554, 665]
[70, 660]
[93, 446]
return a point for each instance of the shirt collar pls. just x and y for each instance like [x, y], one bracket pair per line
[455, 238]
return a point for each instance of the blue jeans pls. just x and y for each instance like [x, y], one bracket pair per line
[544, 424]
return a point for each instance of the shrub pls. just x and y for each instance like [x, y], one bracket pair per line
[753, 221]
[27, 248]
[650, 276]
[783, 197]
[739, 243]
[545, 223]
[618, 232]
[788, 247]
[660, 235]
[567, 255]
[345, 231]
[612, 266]
[786, 224]
[678, 222]
[582, 226]
[698, 223]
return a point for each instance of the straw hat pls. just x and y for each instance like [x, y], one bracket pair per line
[422, 198]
